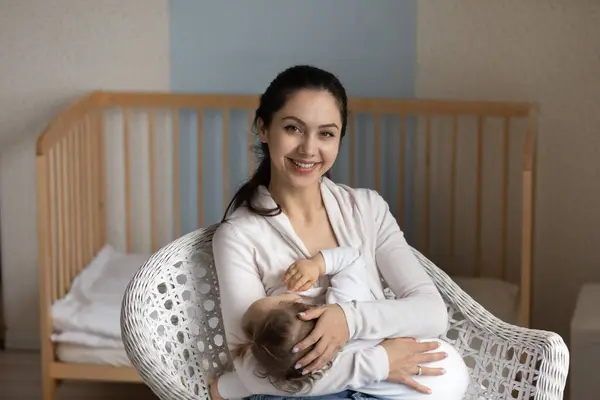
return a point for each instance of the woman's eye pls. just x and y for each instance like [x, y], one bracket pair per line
[327, 134]
[292, 128]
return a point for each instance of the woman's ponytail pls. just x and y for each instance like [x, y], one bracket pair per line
[245, 194]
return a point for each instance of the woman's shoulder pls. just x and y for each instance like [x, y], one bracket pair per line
[362, 198]
[240, 225]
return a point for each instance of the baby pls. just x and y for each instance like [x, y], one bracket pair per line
[272, 327]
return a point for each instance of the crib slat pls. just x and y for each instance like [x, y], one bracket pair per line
[64, 218]
[52, 262]
[504, 207]
[453, 177]
[86, 183]
[427, 182]
[376, 151]
[176, 200]
[127, 177]
[72, 234]
[352, 148]
[478, 194]
[250, 144]
[199, 169]
[94, 189]
[401, 161]
[77, 201]
[101, 183]
[225, 164]
[152, 183]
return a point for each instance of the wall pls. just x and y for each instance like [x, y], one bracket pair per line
[52, 52]
[219, 47]
[545, 52]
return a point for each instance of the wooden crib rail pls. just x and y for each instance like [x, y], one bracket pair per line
[72, 183]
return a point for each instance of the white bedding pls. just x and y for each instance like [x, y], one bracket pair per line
[89, 315]
[74, 353]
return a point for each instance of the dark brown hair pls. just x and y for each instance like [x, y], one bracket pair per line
[272, 100]
[271, 343]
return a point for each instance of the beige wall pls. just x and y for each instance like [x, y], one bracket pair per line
[52, 52]
[548, 52]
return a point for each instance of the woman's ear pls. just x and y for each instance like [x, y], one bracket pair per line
[262, 134]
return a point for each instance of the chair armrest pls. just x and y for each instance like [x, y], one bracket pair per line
[504, 358]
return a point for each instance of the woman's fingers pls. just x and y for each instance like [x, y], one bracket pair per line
[317, 352]
[430, 357]
[430, 371]
[320, 361]
[422, 347]
[410, 382]
[308, 341]
[307, 315]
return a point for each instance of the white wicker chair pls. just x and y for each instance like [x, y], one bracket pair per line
[173, 335]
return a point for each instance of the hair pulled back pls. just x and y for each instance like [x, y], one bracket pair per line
[285, 84]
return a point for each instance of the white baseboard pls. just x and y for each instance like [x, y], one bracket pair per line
[22, 340]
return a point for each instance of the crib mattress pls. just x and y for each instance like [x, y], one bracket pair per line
[80, 354]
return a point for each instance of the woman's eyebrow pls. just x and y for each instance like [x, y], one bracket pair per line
[330, 125]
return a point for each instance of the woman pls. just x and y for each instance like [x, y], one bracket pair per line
[291, 210]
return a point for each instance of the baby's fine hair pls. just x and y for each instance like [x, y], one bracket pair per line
[271, 343]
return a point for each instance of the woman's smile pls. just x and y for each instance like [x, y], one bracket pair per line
[303, 167]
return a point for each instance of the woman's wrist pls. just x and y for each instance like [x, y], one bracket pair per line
[348, 308]
[213, 386]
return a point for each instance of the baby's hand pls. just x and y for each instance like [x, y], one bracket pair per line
[302, 274]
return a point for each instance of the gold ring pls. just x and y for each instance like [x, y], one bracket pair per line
[419, 370]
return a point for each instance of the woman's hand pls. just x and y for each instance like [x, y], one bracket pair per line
[214, 389]
[330, 335]
[406, 355]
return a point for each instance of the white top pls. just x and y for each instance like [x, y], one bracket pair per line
[252, 253]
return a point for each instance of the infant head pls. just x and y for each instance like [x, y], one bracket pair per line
[273, 328]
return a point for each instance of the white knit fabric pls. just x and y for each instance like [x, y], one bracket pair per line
[173, 333]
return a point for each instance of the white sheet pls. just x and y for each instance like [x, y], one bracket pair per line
[90, 313]
[73, 353]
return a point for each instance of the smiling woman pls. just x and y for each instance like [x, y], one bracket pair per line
[301, 146]
[301, 121]
[290, 210]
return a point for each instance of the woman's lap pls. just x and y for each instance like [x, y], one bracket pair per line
[345, 395]
[450, 386]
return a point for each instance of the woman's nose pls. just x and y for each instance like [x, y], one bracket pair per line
[308, 146]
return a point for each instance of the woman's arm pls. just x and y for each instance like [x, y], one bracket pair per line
[418, 310]
[239, 286]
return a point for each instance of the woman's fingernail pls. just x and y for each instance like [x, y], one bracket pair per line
[295, 350]
[443, 371]
[302, 314]
[445, 355]
[305, 372]
[297, 366]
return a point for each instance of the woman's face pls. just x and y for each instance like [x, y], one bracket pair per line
[303, 138]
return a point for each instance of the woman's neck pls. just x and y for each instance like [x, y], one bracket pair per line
[297, 203]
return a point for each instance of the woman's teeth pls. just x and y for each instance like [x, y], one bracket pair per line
[304, 165]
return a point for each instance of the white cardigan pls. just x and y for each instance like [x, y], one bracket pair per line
[251, 253]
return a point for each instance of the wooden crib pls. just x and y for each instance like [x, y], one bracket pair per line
[458, 175]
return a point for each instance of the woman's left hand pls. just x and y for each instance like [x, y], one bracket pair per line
[330, 335]
[213, 386]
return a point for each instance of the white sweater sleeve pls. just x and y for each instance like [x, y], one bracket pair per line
[338, 259]
[348, 275]
[418, 310]
[240, 285]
